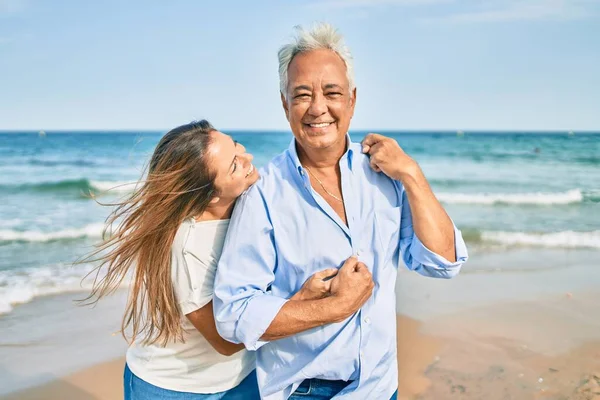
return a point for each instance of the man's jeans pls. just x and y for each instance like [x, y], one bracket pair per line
[318, 389]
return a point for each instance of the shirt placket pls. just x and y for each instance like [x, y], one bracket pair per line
[352, 204]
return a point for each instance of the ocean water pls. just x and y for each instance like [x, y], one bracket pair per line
[505, 191]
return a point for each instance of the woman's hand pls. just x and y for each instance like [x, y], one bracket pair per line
[316, 287]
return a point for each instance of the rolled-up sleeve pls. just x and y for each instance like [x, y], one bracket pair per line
[243, 304]
[419, 258]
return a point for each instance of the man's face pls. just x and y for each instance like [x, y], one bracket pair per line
[319, 103]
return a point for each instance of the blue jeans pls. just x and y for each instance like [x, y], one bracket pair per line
[318, 389]
[138, 389]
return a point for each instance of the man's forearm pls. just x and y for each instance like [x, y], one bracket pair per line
[300, 315]
[431, 223]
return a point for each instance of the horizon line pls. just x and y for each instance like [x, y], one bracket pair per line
[407, 130]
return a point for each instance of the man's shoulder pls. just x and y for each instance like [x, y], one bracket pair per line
[270, 174]
[275, 170]
[361, 161]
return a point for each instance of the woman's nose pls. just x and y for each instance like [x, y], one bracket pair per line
[248, 157]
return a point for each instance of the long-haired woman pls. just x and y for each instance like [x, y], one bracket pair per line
[168, 236]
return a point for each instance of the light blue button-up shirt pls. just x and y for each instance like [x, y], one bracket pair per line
[282, 232]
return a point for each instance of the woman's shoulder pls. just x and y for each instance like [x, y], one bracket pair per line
[201, 239]
[194, 258]
[181, 237]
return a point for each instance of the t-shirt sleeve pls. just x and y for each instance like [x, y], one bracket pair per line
[193, 280]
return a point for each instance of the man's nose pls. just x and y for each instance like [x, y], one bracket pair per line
[318, 106]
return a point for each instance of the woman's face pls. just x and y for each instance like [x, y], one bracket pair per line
[232, 165]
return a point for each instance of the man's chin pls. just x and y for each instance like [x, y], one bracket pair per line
[319, 141]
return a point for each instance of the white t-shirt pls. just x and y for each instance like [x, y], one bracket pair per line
[194, 366]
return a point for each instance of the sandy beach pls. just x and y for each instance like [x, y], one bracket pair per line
[540, 345]
[430, 367]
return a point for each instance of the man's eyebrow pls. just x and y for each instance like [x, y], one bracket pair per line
[333, 86]
[302, 87]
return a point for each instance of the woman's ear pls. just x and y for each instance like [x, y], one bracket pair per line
[215, 200]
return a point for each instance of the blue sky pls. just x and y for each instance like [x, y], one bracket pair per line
[420, 64]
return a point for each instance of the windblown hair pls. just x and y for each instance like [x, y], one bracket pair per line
[178, 185]
[321, 36]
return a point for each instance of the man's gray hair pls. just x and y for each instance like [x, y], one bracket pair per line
[321, 36]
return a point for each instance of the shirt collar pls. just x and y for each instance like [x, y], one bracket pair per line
[349, 154]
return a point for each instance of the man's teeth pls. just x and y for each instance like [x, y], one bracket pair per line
[250, 170]
[322, 125]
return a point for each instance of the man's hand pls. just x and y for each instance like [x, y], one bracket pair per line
[352, 287]
[316, 287]
[388, 157]
[349, 290]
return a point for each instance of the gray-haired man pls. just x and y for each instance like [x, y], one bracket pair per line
[318, 203]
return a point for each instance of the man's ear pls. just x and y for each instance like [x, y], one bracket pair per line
[285, 106]
[353, 99]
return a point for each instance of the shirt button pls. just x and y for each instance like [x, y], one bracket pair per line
[362, 355]
[368, 320]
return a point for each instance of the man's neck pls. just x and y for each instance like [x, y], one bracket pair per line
[321, 158]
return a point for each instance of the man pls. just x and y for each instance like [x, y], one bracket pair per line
[320, 202]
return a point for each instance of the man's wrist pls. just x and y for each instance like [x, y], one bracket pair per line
[298, 296]
[410, 175]
[337, 308]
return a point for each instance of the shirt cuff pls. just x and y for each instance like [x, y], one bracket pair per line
[435, 265]
[260, 311]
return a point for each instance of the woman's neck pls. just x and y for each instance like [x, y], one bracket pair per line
[216, 212]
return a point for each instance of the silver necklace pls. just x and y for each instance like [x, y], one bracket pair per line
[323, 186]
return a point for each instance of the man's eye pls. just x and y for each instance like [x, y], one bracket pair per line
[302, 95]
[335, 94]
[234, 166]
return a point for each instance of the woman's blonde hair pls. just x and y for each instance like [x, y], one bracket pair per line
[178, 185]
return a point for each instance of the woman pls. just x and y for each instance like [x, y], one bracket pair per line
[169, 234]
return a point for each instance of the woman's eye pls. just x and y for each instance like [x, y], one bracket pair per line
[234, 166]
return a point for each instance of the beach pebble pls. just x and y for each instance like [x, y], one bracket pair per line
[541, 380]
[436, 358]
[521, 375]
[569, 295]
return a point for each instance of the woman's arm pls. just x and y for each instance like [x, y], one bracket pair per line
[316, 287]
[204, 321]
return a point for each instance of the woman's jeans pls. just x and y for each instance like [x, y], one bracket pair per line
[138, 389]
[318, 389]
